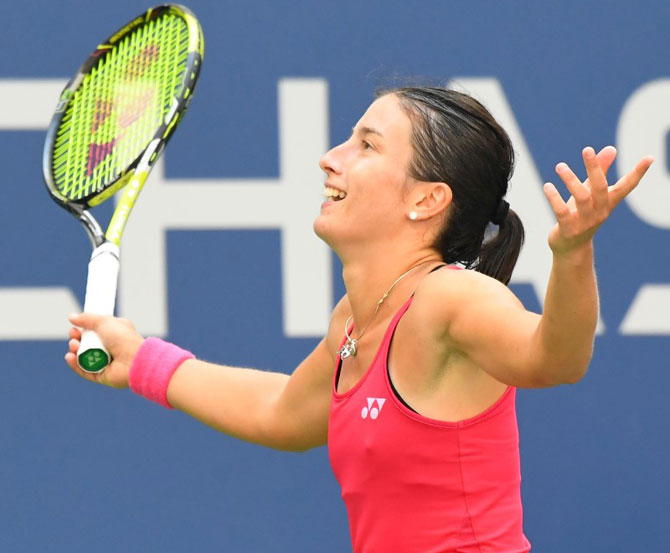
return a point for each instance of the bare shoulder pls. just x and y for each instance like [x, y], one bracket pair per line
[445, 294]
[457, 284]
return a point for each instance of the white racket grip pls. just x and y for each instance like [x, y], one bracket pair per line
[103, 273]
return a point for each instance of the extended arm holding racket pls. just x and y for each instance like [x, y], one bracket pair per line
[112, 122]
[271, 409]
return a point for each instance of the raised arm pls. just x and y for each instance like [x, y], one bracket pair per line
[485, 321]
[270, 409]
[570, 314]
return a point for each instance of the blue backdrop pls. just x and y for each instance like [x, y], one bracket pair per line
[84, 468]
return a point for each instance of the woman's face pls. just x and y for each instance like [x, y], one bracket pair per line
[366, 177]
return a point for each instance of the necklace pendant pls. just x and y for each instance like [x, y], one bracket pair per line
[348, 349]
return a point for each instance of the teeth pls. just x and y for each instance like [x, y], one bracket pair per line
[329, 192]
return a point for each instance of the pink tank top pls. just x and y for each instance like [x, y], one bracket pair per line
[418, 485]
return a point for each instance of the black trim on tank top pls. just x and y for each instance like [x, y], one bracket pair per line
[396, 394]
[388, 371]
[337, 374]
[436, 268]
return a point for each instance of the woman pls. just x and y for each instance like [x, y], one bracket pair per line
[413, 387]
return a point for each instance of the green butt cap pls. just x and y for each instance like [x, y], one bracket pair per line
[94, 360]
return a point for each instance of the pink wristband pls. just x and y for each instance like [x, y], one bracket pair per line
[152, 368]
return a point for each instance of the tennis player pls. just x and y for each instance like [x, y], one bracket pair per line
[413, 387]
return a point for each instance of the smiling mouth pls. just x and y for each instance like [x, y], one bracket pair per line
[334, 194]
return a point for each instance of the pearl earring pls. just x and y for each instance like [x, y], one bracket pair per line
[413, 215]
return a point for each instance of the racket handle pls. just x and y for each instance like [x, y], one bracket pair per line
[103, 272]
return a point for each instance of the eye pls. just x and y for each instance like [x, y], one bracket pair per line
[366, 145]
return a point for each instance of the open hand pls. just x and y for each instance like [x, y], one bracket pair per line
[591, 201]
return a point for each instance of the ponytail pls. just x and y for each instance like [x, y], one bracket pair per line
[498, 255]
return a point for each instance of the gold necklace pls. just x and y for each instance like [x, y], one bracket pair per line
[349, 347]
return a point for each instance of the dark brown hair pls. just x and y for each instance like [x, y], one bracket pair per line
[457, 141]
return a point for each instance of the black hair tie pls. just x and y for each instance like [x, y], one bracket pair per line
[501, 212]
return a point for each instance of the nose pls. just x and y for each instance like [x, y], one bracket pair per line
[331, 162]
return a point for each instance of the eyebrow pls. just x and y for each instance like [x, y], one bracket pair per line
[367, 130]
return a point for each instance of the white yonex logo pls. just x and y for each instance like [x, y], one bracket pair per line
[373, 408]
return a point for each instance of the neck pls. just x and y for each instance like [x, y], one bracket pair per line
[370, 276]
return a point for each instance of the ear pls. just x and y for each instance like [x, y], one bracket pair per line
[429, 199]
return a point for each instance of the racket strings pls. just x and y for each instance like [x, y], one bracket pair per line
[119, 106]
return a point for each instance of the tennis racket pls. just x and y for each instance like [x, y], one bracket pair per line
[111, 123]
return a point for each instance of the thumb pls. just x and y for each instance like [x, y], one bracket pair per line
[87, 321]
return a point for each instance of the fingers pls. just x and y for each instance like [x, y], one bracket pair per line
[594, 193]
[560, 208]
[87, 321]
[626, 184]
[71, 360]
[606, 157]
[580, 192]
[597, 180]
[73, 345]
[75, 333]
[592, 201]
